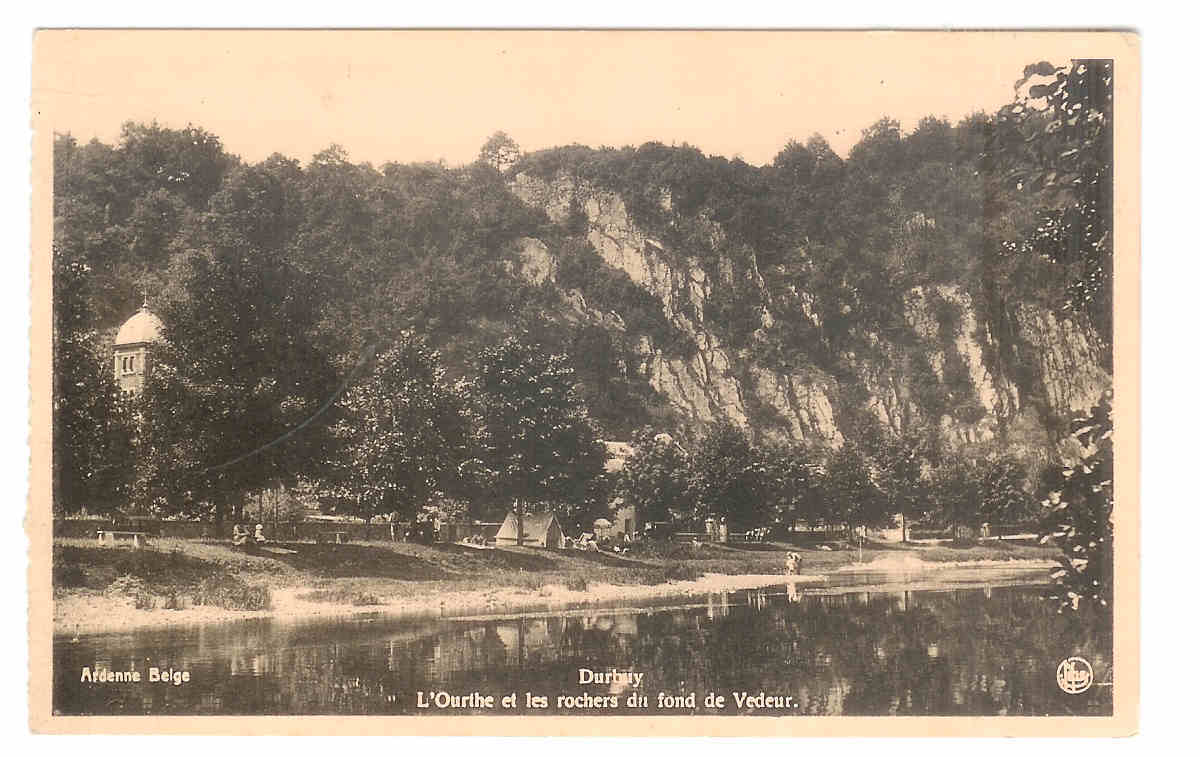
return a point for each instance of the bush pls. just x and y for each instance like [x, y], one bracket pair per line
[232, 593]
[132, 587]
[577, 583]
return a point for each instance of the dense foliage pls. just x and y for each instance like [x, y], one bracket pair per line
[884, 483]
[538, 439]
[1078, 514]
[367, 332]
[405, 436]
[1057, 143]
[93, 449]
[655, 478]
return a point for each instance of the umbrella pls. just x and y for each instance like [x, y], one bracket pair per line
[602, 523]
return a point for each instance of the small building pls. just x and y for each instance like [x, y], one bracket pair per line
[625, 517]
[624, 521]
[539, 530]
[131, 349]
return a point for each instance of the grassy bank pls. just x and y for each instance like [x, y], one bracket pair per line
[182, 581]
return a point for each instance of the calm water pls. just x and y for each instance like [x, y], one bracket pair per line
[977, 651]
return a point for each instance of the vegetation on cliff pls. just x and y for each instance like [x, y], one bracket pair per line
[897, 292]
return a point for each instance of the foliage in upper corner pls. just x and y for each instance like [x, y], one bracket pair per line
[1057, 144]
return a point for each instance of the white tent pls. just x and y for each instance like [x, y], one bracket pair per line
[539, 530]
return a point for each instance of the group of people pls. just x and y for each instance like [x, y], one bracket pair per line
[241, 535]
[586, 541]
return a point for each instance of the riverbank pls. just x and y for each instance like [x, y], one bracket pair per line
[183, 582]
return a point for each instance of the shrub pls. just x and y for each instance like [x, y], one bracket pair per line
[131, 587]
[577, 583]
[232, 593]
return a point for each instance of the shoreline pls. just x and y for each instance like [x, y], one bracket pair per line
[77, 615]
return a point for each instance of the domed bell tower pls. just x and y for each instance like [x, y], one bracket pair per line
[131, 348]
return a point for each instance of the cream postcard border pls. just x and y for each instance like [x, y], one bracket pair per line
[50, 56]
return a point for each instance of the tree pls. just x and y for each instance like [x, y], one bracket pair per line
[120, 210]
[500, 151]
[969, 493]
[405, 435]
[1056, 142]
[728, 478]
[1005, 498]
[852, 495]
[1078, 514]
[93, 426]
[189, 162]
[240, 382]
[539, 441]
[792, 479]
[957, 491]
[655, 478]
[881, 151]
[899, 462]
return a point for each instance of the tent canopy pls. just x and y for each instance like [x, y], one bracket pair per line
[538, 529]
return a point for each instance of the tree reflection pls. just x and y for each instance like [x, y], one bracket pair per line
[879, 653]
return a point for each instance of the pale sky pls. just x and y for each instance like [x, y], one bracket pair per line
[416, 96]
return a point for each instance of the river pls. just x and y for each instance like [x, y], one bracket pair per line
[859, 644]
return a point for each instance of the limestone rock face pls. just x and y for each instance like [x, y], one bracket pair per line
[984, 392]
[537, 264]
[1070, 358]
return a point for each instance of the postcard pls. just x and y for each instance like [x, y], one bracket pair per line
[585, 382]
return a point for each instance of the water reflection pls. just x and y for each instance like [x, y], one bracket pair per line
[969, 651]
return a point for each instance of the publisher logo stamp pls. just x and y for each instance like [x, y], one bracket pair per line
[1074, 675]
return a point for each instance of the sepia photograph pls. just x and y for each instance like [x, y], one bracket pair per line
[730, 382]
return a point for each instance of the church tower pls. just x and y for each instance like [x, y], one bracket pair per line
[130, 349]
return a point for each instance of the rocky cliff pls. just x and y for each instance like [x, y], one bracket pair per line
[947, 369]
